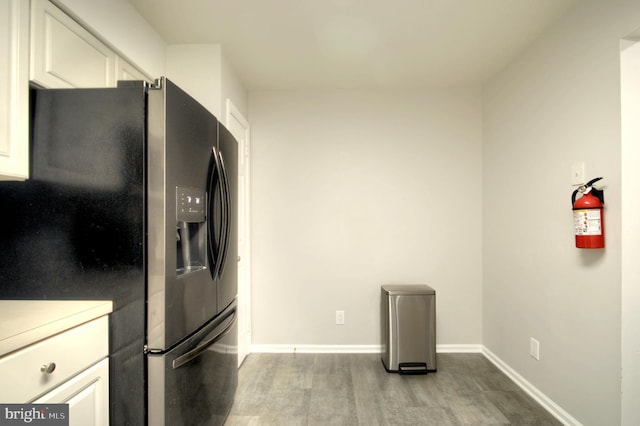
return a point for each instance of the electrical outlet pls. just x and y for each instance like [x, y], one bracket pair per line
[534, 349]
[340, 317]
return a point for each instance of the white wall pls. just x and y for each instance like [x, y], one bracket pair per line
[196, 69]
[232, 88]
[203, 71]
[355, 189]
[557, 104]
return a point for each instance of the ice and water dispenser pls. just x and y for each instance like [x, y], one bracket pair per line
[191, 234]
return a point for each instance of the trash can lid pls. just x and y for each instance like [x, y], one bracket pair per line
[407, 289]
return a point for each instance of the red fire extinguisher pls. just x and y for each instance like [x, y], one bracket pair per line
[588, 217]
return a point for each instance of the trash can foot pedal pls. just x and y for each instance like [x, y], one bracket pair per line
[412, 368]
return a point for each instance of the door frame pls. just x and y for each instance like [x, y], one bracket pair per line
[630, 301]
[240, 129]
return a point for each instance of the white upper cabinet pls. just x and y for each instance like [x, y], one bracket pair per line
[41, 43]
[64, 54]
[126, 71]
[14, 89]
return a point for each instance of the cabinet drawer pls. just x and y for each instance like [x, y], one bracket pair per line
[72, 351]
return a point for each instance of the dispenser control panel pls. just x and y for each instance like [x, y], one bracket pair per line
[190, 204]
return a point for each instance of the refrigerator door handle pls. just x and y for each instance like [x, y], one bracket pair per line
[198, 350]
[215, 246]
[226, 223]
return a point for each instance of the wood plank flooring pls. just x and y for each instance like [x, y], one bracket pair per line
[355, 389]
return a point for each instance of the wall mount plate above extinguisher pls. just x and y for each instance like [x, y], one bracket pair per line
[588, 215]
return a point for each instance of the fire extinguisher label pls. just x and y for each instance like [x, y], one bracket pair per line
[588, 222]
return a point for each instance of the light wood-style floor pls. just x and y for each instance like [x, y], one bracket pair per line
[355, 389]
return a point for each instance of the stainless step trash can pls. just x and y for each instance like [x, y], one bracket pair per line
[409, 329]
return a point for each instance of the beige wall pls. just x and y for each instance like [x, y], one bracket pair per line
[196, 69]
[355, 189]
[557, 104]
[203, 71]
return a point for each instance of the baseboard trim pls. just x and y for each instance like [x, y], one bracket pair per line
[458, 349]
[352, 349]
[531, 390]
[316, 349]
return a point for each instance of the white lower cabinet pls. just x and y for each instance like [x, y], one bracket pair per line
[87, 395]
[70, 367]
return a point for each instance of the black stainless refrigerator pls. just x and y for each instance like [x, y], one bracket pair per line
[132, 198]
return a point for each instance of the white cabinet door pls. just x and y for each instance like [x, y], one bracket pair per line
[64, 54]
[14, 90]
[87, 395]
[126, 71]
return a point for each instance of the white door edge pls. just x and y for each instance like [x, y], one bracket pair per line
[239, 128]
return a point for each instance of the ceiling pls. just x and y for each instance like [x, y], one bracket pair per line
[290, 44]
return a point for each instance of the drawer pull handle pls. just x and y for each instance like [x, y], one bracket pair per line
[48, 368]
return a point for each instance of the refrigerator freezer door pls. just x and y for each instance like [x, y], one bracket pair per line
[195, 383]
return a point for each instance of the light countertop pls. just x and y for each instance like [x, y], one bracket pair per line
[23, 322]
